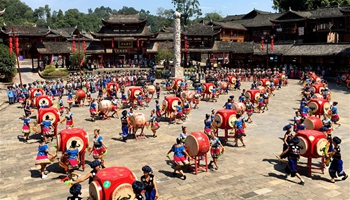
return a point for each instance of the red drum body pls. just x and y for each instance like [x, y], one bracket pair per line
[207, 87]
[223, 118]
[105, 106]
[232, 79]
[315, 78]
[319, 106]
[239, 107]
[151, 89]
[317, 87]
[188, 95]
[312, 143]
[275, 81]
[176, 83]
[223, 85]
[313, 123]
[138, 120]
[79, 95]
[317, 96]
[66, 136]
[197, 144]
[345, 77]
[253, 95]
[53, 114]
[33, 93]
[111, 87]
[39, 100]
[134, 92]
[112, 183]
[170, 103]
[264, 82]
[261, 89]
[282, 76]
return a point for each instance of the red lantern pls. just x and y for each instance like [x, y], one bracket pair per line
[17, 45]
[223, 31]
[17, 50]
[186, 45]
[272, 44]
[73, 47]
[10, 45]
[112, 42]
[262, 44]
[84, 46]
[138, 42]
[231, 33]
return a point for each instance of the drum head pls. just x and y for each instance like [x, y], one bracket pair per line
[343, 77]
[123, 191]
[47, 101]
[210, 88]
[309, 124]
[257, 95]
[317, 96]
[320, 89]
[136, 93]
[192, 145]
[218, 120]
[319, 146]
[326, 107]
[318, 79]
[174, 104]
[80, 143]
[52, 117]
[95, 191]
[313, 107]
[233, 80]
[58, 142]
[267, 83]
[313, 89]
[304, 146]
[184, 95]
[231, 121]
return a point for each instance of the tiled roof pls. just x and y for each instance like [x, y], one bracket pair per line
[279, 49]
[25, 30]
[123, 19]
[234, 47]
[155, 46]
[201, 30]
[228, 25]
[345, 9]
[56, 47]
[262, 20]
[95, 47]
[107, 32]
[319, 50]
[64, 32]
[233, 17]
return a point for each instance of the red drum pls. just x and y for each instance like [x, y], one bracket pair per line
[138, 120]
[312, 143]
[34, 91]
[313, 123]
[317, 87]
[232, 79]
[261, 89]
[176, 83]
[151, 89]
[239, 107]
[319, 106]
[188, 95]
[207, 87]
[224, 119]
[223, 85]
[105, 106]
[110, 87]
[345, 77]
[282, 76]
[39, 100]
[264, 82]
[53, 114]
[79, 95]
[112, 183]
[253, 95]
[317, 96]
[316, 78]
[170, 103]
[197, 144]
[66, 136]
[134, 92]
[275, 81]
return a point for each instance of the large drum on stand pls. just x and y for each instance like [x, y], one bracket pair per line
[223, 119]
[112, 183]
[317, 87]
[64, 140]
[197, 144]
[34, 92]
[261, 89]
[138, 120]
[176, 83]
[133, 93]
[318, 106]
[239, 107]
[345, 77]
[207, 87]
[264, 82]
[312, 143]
[53, 114]
[313, 123]
[151, 89]
[39, 100]
[170, 103]
[111, 87]
[79, 95]
[223, 85]
[105, 106]
[317, 96]
[253, 95]
[232, 80]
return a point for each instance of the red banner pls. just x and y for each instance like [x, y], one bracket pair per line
[272, 44]
[262, 44]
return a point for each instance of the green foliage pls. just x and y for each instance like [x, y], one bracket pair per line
[188, 9]
[76, 58]
[7, 61]
[164, 54]
[284, 5]
[51, 70]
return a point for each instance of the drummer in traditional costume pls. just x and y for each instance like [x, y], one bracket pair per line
[296, 120]
[93, 110]
[22, 99]
[68, 118]
[250, 110]
[158, 110]
[337, 163]
[287, 138]
[213, 94]
[150, 183]
[179, 157]
[47, 127]
[154, 123]
[99, 149]
[43, 104]
[228, 105]
[184, 134]
[96, 166]
[207, 125]
[179, 113]
[125, 125]
[70, 99]
[138, 187]
[266, 97]
[261, 104]
[215, 150]
[305, 111]
[335, 116]
[88, 96]
[158, 89]
[26, 127]
[196, 100]
[115, 107]
[124, 100]
[42, 158]
[239, 130]
[71, 155]
[61, 105]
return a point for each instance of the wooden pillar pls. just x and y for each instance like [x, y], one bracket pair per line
[32, 63]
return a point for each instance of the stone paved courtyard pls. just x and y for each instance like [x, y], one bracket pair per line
[244, 173]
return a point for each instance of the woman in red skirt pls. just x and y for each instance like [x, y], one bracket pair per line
[68, 118]
[42, 158]
[215, 151]
[99, 149]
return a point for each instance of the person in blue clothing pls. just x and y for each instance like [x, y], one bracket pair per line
[337, 163]
[241, 98]
[99, 149]
[138, 187]
[215, 151]
[213, 94]
[168, 86]
[228, 105]
[154, 123]
[179, 157]
[11, 96]
[150, 183]
[26, 127]
[47, 127]
[93, 110]
[124, 100]
[42, 158]
[301, 125]
[125, 125]
[75, 190]
[207, 125]
[43, 104]
[158, 110]
[239, 130]
[305, 111]
[38, 93]
[179, 113]
[335, 116]
[72, 159]
[261, 104]
[140, 101]
[70, 99]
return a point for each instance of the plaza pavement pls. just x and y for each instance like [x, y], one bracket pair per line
[244, 173]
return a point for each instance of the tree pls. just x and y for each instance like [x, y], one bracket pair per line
[76, 58]
[7, 63]
[164, 54]
[188, 9]
[284, 5]
[213, 16]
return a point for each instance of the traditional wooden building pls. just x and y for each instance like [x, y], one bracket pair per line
[164, 40]
[122, 37]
